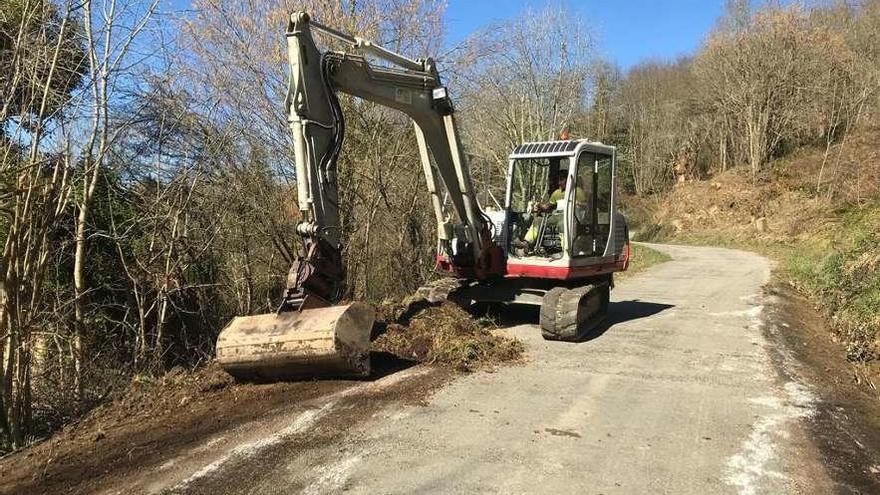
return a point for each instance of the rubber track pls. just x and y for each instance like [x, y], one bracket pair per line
[548, 312]
[569, 315]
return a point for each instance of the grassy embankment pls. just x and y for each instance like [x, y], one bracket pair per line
[841, 273]
[642, 258]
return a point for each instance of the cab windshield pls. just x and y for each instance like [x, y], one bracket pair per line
[532, 182]
[536, 220]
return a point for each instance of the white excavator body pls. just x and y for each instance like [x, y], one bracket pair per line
[559, 255]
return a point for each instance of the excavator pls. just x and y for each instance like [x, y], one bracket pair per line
[555, 242]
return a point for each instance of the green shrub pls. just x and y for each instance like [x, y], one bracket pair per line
[844, 274]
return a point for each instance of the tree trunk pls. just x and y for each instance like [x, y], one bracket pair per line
[79, 295]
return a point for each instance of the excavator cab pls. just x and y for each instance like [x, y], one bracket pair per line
[561, 209]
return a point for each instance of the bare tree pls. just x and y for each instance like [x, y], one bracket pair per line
[524, 80]
[765, 77]
[40, 73]
[111, 28]
[659, 123]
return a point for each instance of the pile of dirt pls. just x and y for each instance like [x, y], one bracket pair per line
[147, 396]
[445, 335]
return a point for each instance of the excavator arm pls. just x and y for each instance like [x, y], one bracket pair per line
[308, 336]
[317, 124]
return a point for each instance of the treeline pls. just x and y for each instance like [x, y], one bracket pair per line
[147, 191]
[763, 83]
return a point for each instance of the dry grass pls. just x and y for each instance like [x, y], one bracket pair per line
[445, 335]
[794, 203]
[641, 258]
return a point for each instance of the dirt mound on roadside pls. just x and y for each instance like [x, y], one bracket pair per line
[147, 396]
[445, 335]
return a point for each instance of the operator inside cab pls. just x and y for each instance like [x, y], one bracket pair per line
[544, 233]
[558, 194]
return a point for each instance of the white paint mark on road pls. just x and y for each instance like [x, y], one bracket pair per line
[333, 477]
[752, 313]
[751, 465]
[207, 445]
[250, 449]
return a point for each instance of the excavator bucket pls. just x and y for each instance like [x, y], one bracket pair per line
[330, 341]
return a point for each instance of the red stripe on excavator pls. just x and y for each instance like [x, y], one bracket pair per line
[538, 271]
[562, 272]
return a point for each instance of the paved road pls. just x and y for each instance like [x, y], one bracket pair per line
[679, 395]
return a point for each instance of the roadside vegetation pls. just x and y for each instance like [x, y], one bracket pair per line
[841, 273]
[766, 139]
[147, 186]
[641, 258]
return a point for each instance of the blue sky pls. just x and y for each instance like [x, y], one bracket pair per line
[629, 31]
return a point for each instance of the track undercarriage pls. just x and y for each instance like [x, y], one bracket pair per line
[567, 313]
[571, 314]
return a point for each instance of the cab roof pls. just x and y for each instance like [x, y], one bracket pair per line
[567, 147]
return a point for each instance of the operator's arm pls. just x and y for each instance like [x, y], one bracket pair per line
[549, 205]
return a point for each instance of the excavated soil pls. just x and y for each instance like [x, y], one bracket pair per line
[445, 335]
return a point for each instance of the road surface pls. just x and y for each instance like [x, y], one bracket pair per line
[682, 394]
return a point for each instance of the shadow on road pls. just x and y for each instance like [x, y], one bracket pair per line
[623, 311]
[618, 312]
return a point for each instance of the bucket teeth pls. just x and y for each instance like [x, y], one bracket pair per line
[322, 342]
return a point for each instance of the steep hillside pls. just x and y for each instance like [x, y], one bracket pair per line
[798, 199]
[817, 212]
